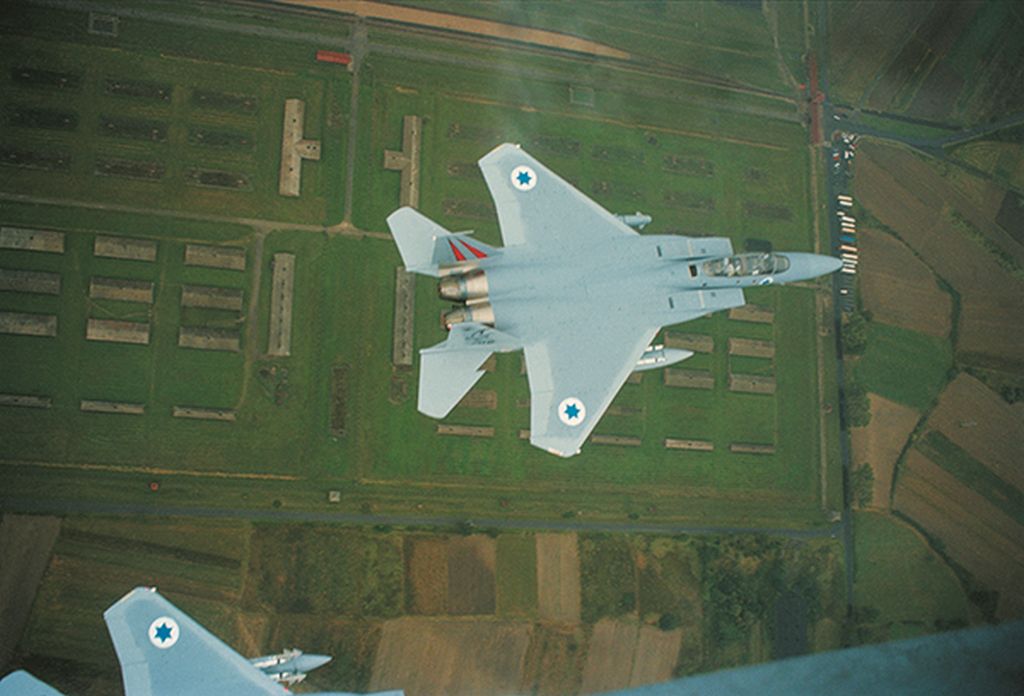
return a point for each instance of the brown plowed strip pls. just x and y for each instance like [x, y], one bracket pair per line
[898, 287]
[558, 577]
[978, 420]
[975, 534]
[880, 443]
[656, 655]
[450, 656]
[609, 656]
[468, 25]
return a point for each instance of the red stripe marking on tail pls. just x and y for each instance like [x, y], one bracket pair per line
[459, 256]
[476, 252]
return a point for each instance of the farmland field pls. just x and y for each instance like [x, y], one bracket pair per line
[881, 442]
[353, 593]
[907, 585]
[904, 366]
[481, 564]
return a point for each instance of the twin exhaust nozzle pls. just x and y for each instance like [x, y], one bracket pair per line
[470, 289]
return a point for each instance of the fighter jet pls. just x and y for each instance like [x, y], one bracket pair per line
[164, 652]
[576, 288]
[289, 667]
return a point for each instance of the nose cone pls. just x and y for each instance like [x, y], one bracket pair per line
[307, 663]
[805, 266]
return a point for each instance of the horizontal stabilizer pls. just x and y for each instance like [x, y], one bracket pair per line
[425, 245]
[450, 369]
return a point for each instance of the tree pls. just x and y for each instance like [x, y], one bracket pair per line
[862, 481]
[858, 407]
[855, 334]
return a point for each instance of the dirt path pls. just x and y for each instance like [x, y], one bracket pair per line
[469, 25]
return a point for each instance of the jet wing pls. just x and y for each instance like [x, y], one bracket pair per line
[24, 684]
[164, 652]
[574, 374]
[536, 206]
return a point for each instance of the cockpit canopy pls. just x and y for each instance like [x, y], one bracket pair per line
[746, 265]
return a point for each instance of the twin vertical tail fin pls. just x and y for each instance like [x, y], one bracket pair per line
[426, 247]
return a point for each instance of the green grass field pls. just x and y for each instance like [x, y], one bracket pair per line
[616, 150]
[903, 588]
[903, 365]
[328, 588]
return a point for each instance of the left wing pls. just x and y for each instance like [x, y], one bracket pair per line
[537, 207]
[164, 652]
[574, 374]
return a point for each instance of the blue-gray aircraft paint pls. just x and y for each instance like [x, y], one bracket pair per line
[165, 652]
[576, 288]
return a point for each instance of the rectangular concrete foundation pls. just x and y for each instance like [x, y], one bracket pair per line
[125, 248]
[31, 240]
[698, 343]
[282, 287]
[751, 384]
[689, 379]
[754, 313]
[228, 258]
[750, 448]
[619, 440]
[217, 414]
[25, 401]
[401, 350]
[37, 282]
[465, 430]
[114, 331]
[694, 445]
[407, 161]
[121, 289]
[113, 407]
[209, 297]
[205, 338]
[294, 148]
[751, 348]
[21, 324]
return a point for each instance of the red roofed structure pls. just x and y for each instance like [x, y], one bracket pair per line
[333, 57]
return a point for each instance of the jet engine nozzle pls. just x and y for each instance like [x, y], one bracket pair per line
[480, 312]
[462, 287]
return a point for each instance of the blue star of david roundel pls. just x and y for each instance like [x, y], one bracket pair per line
[572, 411]
[524, 178]
[164, 632]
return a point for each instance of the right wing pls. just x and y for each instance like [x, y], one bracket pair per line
[537, 207]
[164, 652]
[574, 374]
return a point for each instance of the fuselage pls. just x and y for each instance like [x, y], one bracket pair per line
[632, 277]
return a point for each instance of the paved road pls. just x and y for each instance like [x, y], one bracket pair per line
[846, 521]
[84, 507]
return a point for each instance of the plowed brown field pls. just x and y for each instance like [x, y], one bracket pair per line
[897, 188]
[654, 659]
[471, 562]
[450, 656]
[898, 288]
[558, 577]
[976, 535]
[978, 420]
[880, 443]
[426, 572]
[609, 656]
